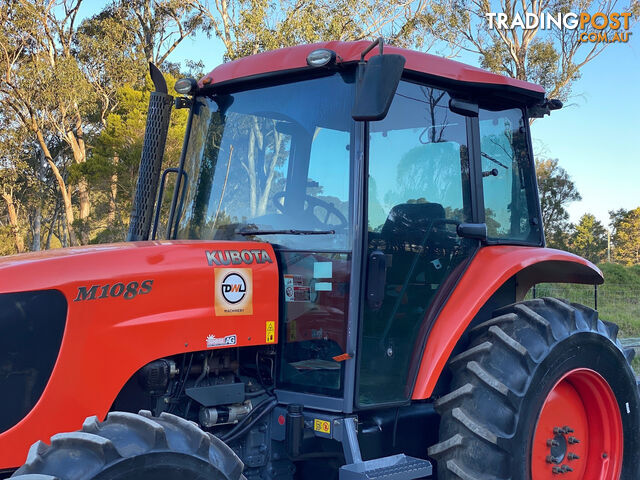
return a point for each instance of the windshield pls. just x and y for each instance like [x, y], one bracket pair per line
[272, 164]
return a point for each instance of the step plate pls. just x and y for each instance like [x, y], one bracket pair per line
[396, 467]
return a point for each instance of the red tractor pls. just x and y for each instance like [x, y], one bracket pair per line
[337, 291]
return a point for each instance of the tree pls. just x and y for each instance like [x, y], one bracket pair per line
[556, 190]
[33, 81]
[550, 57]
[251, 26]
[626, 235]
[122, 138]
[160, 25]
[589, 239]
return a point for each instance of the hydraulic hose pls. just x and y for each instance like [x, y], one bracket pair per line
[239, 430]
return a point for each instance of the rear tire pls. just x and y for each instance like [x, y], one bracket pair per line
[511, 371]
[127, 446]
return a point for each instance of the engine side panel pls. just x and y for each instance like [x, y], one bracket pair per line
[129, 304]
[32, 324]
[489, 270]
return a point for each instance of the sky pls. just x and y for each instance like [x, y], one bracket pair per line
[595, 136]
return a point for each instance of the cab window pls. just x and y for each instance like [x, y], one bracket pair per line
[510, 200]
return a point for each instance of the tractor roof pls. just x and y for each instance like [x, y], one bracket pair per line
[295, 59]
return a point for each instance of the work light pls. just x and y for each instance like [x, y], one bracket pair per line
[321, 57]
[185, 86]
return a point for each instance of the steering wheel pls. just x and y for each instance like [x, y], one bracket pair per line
[310, 204]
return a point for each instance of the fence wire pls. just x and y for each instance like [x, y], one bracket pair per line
[619, 304]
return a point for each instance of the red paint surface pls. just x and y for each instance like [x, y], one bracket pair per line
[584, 401]
[490, 268]
[296, 57]
[107, 340]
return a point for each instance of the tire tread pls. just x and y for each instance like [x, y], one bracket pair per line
[104, 445]
[493, 369]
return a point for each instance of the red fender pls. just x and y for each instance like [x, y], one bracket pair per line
[489, 269]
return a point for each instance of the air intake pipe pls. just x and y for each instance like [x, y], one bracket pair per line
[155, 137]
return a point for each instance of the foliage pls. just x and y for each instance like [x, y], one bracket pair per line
[550, 57]
[589, 239]
[252, 26]
[616, 274]
[116, 157]
[556, 190]
[74, 92]
[618, 297]
[626, 236]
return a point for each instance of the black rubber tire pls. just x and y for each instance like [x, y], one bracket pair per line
[129, 446]
[500, 382]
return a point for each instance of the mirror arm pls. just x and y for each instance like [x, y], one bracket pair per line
[476, 231]
[377, 41]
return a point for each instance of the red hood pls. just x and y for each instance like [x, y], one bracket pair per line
[35, 270]
[129, 304]
[55, 253]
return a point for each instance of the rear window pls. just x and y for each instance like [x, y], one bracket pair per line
[510, 198]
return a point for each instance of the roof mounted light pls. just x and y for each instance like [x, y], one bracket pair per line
[186, 86]
[321, 58]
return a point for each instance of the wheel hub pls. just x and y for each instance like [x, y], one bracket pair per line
[579, 430]
[558, 446]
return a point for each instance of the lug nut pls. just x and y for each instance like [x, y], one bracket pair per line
[557, 430]
[552, 443]
[552, 459]
[566, 468]
[573, 440]
[556, 470]
[573, 456]
[567, 429]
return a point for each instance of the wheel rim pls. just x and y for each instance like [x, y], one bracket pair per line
[579, 430]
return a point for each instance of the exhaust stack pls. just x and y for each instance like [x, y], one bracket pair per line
[155, 137]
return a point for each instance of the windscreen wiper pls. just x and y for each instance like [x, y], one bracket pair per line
[494, 160]
[286, 232]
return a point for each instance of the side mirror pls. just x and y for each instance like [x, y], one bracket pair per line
[376, 86]
[376, 279]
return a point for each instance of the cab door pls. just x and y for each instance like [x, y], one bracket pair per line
[419, 188]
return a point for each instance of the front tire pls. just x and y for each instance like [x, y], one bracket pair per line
[127, 446]
[544, 388]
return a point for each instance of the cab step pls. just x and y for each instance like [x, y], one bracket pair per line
[395, 467]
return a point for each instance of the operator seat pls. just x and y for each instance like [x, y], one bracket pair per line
[410, 221]
[411, 230]
[418, 250]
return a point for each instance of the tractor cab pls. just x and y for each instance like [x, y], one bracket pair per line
[374, 183]
[341, 295]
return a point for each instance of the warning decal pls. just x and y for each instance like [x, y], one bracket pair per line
[271, 332]
[322, 426]
[295, 290]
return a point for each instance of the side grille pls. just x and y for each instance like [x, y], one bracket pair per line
[31, 328]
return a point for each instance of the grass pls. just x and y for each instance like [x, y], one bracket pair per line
[635, 363]
[618, 298]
